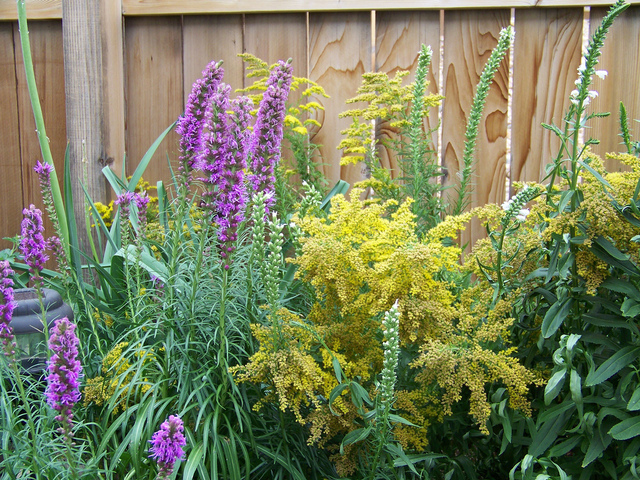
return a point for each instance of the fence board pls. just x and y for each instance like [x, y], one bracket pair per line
[476, 34]
[47, 54]
[399, 36]
[173, 7]
[212, 38]
[153, 48]
[11, 178]
[621, 58]
[339, 53]
[546, 56]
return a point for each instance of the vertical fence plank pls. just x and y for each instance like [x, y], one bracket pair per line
[48, 64]
[399, 37]
[621, 58]
[339, 53]
[153, 49]
[469, 38]
[11, 178]
[212, 38]
[546, 56]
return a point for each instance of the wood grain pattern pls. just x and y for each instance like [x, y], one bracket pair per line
[113, 83]
[36, 9]
[546, 56]
[212, 38]
[82, 45]
[477, 34]
[621, 58]
[173, 7]
[399, 36]
[10, 165]
[48, 64]
[339, 53]
[153, 48]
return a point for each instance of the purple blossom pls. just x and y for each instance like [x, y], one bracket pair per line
[32, 242]
[190, 124]
[268, 131]
[224, 160]
[7, 305]
[65, 370]
[166, 445]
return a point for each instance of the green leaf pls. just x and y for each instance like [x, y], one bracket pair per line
[144, 162]
[565, 198]
[398, 419]
[612, 365]
[555, 317]
[546, 435]
[621, 286]
[565, 447]
[335, 393]
[341, 187]
[593, 172]
[596, 447]
[355, 436]
[630, 308]
[575, 385]
[398, 452]
[554, 386]
[336, 368]
[634, 401]
[359, 395]
[626, 429]
[193, 461]
[608, 253]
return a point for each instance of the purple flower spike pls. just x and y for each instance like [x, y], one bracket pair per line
[166, 445]
[63, 382]
[190, 124]
[268, 131]
[7, 305]
[224, 160]
[32, 242]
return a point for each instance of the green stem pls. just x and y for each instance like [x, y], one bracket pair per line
[40, 128]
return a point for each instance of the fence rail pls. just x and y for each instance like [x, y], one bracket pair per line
[152, 51]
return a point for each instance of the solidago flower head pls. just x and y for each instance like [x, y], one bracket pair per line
[65, 370]
[7, 305]
[167, 445]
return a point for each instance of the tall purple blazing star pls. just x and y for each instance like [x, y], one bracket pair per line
[268, 131]
[7, 306]
[166, 445]
[190, 124]
[32, 243]
[65, 370]
[224, 155]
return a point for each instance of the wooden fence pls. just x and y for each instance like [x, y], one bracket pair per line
[153, 50]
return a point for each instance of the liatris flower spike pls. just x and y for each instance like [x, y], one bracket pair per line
[166, 445]
[65, 370]
[7, 306]
[32, 243]
[268, 131]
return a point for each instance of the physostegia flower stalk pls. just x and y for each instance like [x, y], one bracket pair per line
[190, 124]
[166, 445]
[7, 305]
[268, 131]
[224, 160]
[65, 370]
[33, 244]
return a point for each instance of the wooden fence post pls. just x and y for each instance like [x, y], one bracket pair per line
[82, 44]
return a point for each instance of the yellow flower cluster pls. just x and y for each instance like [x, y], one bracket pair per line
[118, 374]
[387, 100]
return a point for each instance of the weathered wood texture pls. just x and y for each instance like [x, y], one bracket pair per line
[476, 34]
[399, 36]
[47, 53]
[82, 46]
[546, 56]
[621, 58]
[154, 91]
[339, 53]
[150, 62]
